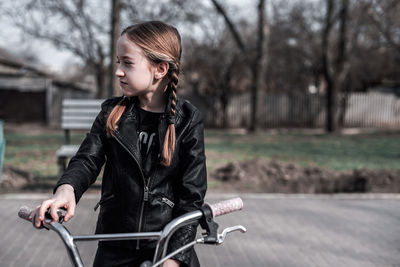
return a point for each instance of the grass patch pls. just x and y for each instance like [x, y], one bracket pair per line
[338, 152]
[35, 153]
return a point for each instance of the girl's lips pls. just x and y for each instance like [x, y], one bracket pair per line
[123, 82]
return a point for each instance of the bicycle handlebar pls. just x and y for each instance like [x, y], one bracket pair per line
[226, 206]
[205, 216]
[29, 215]
[25, 213]
[218, 209]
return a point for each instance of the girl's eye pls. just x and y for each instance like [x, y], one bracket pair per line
[124, 62]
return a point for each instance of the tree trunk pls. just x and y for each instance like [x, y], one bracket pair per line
[335, 81]
[259, 67]
[343, 106]
[100, 81]
[331, 102]
[224, 106]
[100, 74]
[113, 87]
[342, 62]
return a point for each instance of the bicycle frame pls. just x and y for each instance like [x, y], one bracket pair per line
[205, 216]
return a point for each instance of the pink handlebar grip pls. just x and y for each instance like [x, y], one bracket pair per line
[226, 206]
[25, 213]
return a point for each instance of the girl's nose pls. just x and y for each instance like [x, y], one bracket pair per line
[119, 72]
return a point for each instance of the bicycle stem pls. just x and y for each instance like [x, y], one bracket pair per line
[162, 236]
[69, 243]
[170, 228]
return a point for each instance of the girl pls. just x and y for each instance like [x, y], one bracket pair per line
[152, 145]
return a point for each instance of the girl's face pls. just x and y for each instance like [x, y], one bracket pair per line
[135, 72]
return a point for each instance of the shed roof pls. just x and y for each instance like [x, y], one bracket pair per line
[13, 65]
[19, 74]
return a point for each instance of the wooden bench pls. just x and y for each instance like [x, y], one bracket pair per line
[76, 114]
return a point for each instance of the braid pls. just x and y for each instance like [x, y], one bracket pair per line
[169, 141]
[114, 117]
[173, 85]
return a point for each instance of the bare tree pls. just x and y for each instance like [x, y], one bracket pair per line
[215, 69]
[69, 25]
[176, 12]
[294, 49]
[232, 27]
[385, 17]
[259, 64]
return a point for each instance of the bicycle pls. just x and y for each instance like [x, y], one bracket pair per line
[205, 216]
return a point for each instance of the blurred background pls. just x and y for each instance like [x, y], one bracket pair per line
[297, 96]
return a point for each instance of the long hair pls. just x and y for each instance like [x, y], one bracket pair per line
[160, 42]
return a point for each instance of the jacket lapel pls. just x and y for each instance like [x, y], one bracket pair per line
[127, 133]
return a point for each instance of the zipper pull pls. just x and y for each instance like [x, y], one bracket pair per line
[168, 202]
[97, 206]
[146, 194]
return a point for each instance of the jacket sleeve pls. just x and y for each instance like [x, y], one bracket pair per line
[191, 186]
[85, 166]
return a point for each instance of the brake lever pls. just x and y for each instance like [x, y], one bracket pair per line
[222, 236]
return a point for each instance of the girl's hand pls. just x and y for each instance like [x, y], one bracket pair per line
[171, 263]
[64, 197]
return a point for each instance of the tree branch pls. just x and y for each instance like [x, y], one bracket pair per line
[231, 26]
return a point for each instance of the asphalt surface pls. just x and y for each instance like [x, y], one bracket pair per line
[283, 230]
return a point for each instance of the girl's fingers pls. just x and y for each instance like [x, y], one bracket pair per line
[53, 210]
[34, 212]
[41, 210]
[70, 212]
[64, 197]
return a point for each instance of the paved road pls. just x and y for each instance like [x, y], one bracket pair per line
[346, 230]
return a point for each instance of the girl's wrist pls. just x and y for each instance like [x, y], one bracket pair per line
[66, 187]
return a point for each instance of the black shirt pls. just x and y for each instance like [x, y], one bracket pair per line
[149, 142]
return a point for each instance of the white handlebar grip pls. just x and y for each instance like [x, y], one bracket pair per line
[25, 213]
[226, 206]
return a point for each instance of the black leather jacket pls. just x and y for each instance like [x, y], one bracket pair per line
[131, 202]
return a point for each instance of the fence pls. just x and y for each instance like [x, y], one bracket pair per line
[284, 110]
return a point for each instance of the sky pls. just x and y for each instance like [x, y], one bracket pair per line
[14, 41]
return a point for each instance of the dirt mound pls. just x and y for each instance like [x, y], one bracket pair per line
[13, 178]
[271, 176]
[256, 175]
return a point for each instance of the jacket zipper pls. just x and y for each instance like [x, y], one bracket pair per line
[101, 202]
[145, 198]
[146, 188]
